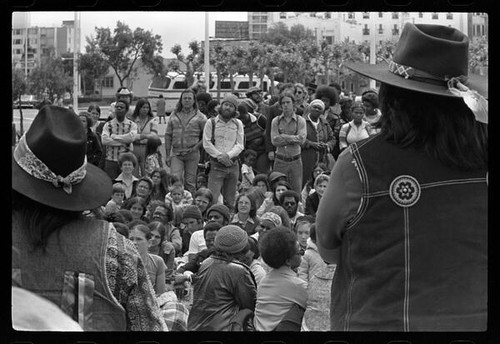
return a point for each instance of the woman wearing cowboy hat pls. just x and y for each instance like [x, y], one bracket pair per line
[83, 265]
[405, 211]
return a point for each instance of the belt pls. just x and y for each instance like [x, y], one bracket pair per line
[284, 158]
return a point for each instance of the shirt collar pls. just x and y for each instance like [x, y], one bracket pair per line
[294, 116]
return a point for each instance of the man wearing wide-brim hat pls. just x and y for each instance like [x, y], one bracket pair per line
[405, 212]
[83, 265]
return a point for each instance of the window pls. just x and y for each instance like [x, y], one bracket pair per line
[395, 15]
[16, 41]
[366, 15]
[381, 14]
[329, 40]
[328, 15]
[449, 16]
[282, 15]
[108, 81]
[225, 85]
[17, 51]
[180, 85]
[244, 85]
[395, 30]
[420, 14]
[350, 15]
[17, 31]
[380, 29]
[366, 30]
[160, 82]
[435, 15]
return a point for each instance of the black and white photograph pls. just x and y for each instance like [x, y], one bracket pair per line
[213, 171]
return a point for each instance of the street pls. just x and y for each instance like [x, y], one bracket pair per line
[30, 114]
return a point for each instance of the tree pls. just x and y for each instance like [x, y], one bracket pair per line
[478, 54]
[92, 68]
[278, 34]
[122, 49]
[191, 61]
[19, 87]
[298, 33]
[50, 78]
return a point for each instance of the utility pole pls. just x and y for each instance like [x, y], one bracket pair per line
[372, 45]
[207, 55]
[76, 36]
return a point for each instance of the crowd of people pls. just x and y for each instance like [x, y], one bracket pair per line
[242, 217]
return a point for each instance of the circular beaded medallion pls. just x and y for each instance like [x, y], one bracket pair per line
[404, 191]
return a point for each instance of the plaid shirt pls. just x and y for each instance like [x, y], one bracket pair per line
[175, 313]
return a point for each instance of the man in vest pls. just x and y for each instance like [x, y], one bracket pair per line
[223, 140]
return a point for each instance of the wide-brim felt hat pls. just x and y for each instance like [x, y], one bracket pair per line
[49, 163]
[426, 57]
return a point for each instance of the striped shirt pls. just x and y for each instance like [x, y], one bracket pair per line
[117, 137]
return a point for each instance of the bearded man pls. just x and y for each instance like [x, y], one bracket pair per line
[223, 140]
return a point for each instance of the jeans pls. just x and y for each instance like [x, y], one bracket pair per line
[186, 167]
[140, 153]
[293, 171]
[222, 179]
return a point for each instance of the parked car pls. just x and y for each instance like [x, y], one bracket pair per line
[27, 101]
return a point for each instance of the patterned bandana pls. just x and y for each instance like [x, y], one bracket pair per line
[30, 163]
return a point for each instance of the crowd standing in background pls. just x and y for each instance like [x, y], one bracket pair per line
[262, 213]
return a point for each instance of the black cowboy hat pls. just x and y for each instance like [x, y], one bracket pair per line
[49, 164]
[425, 59]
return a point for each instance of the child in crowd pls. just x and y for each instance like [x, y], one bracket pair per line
[308, 189]
[201, 181]
[281, 295]
[302, 229]
[154, 159]
[137, 206]
[247, 173]
[312, 201]
[116, 201]
[319, 277]
[178, 198]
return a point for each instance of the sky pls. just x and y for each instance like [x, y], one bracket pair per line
[173, 27]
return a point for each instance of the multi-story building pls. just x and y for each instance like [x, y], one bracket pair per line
[358, 27]
[40, 42]
[231, 29]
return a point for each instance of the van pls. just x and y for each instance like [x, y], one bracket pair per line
[172, 85]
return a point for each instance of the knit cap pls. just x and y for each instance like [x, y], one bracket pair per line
[318, 102]
[192, 212]
[231, 239]
[221, 209]
[230, 98]
[270, 216]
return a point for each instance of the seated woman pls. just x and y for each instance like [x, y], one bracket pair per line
[224, 284]
[280, 291]
[163, 248]
[155, 266]
[137, 207]
[246, 214]
[312, 201]
[273, 199]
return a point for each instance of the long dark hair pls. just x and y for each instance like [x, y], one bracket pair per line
[178, 107]
[140, 103]
[38, 220]
[443, 126]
